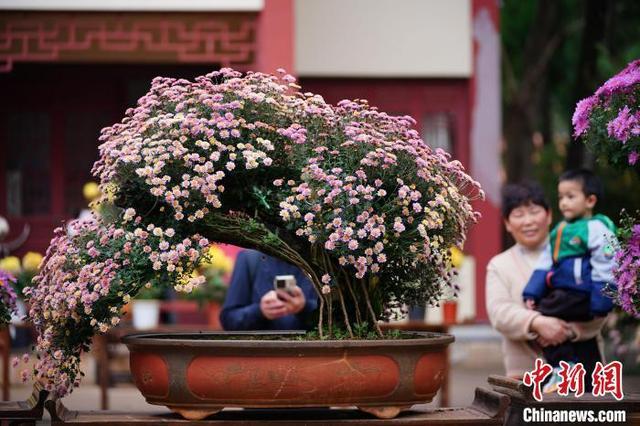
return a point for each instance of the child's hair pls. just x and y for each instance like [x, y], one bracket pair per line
[591, 184]
[515, 195]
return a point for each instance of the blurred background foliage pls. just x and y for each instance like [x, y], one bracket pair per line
[622, 188]
[555, 53]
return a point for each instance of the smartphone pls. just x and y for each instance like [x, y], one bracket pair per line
[285, 282]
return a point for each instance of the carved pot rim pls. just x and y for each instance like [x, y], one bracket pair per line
[233, 339]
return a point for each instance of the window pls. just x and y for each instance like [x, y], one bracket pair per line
[28, 172]
[81, 133]
[436, 131]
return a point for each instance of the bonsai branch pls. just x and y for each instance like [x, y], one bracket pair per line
[371, 311]
[249, 233]
[329, 268]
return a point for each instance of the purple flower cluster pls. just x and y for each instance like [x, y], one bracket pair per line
[7, 297]
[614, 106]
[623, 82]
[624, 125]
[580, 118]
[627, 273]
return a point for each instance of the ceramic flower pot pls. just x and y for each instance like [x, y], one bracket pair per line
[197, 375]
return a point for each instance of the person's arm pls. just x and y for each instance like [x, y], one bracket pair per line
[537, 285]
[239, 312]
[507, 315]
[602, 262]
[586, 330]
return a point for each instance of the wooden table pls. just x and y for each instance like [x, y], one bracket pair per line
[488, 408]
[24, 412]
[501, 405]
[5, 351]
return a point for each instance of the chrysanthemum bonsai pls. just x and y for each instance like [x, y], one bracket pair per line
[349, 194]
[609, 123]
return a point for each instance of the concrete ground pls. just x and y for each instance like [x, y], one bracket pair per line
[474, 356]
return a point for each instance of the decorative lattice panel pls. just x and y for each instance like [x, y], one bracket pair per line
[226, 39]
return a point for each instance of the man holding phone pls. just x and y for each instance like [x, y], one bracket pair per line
[266, 293]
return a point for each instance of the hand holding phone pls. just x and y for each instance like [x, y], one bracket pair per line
[285, 282]
[287, 290]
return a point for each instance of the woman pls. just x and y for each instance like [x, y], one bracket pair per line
[527, 217]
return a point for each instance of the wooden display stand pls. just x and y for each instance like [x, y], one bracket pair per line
[501, 405]
[488, 408]
[24, 412]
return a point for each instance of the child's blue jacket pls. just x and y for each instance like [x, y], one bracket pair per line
[579, 258]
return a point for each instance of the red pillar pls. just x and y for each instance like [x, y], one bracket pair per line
[485, 136]
[276, 36]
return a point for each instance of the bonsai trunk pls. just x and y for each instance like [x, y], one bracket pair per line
[272, 240]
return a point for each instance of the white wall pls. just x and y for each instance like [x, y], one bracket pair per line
[383, 38]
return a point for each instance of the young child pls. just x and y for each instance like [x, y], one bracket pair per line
[570, 277]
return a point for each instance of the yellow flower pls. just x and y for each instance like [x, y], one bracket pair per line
[108, 193]
[91, 191]
[31, 261]
[10, 264]
[218, 260]
[456, 257]
[186, 278]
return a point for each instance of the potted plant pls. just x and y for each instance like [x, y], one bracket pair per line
[609, 123]
[145, 308]
[351, 195]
